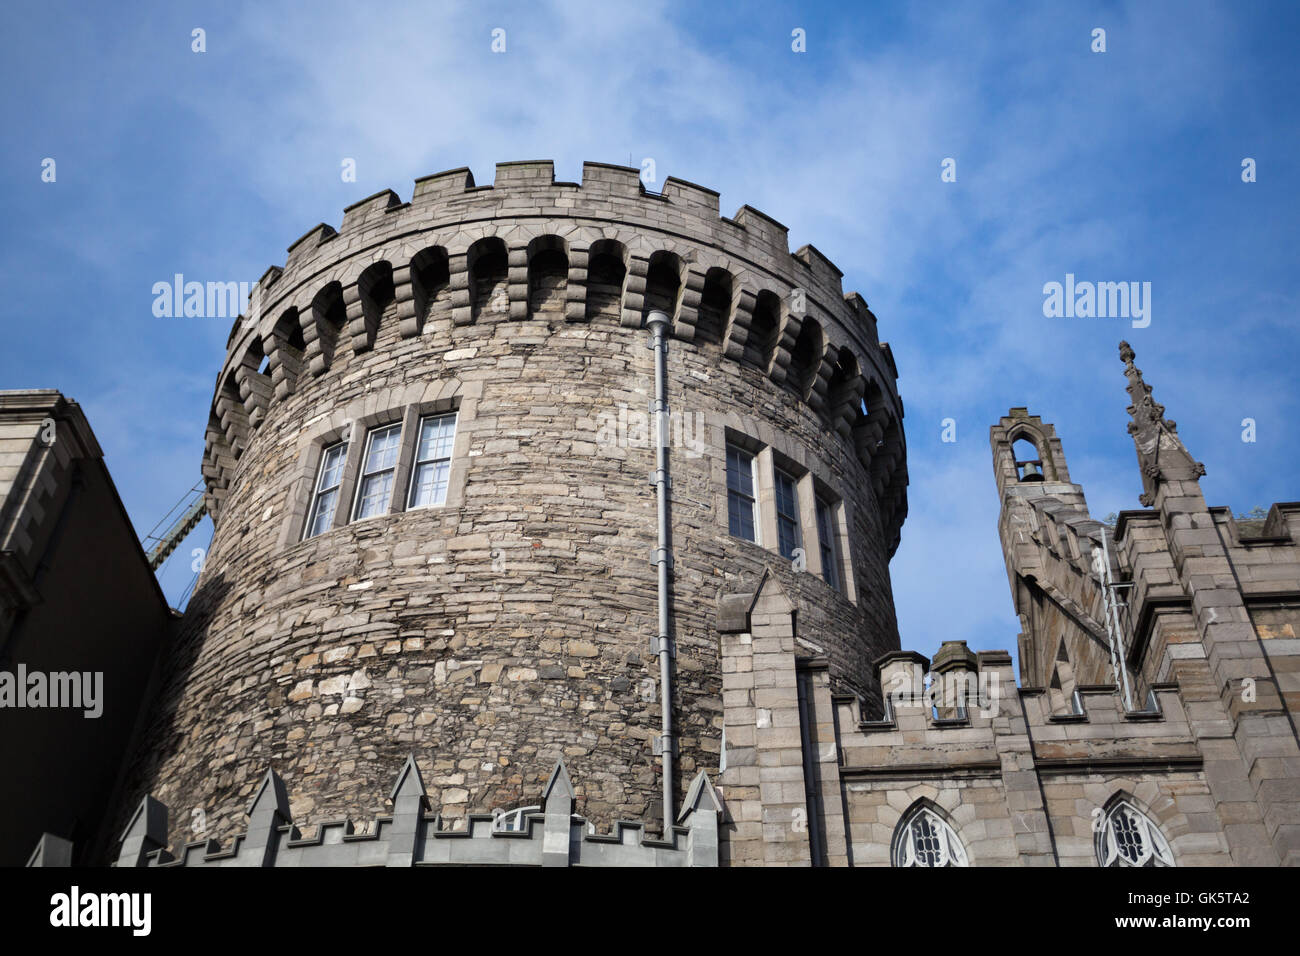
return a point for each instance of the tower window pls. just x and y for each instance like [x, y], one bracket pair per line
[828, 543]
[325, 499]
[787, 514]
[740, 493]
[433, 461]
[376, 488]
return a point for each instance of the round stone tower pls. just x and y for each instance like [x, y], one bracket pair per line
[431, 464]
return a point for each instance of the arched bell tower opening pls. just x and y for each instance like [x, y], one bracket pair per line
[1029, 462]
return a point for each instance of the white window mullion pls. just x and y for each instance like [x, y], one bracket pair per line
[925, 839]
[1130, 838]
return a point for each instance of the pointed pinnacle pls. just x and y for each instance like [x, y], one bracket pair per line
[409, 781]
[559, 784]
[271, 793]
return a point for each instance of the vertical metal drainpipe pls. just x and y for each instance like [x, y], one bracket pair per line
[657, 323]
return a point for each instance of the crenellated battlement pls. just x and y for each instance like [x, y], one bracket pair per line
[530, 248]
[529, 188]
[550, 834]
[962, 701]
[426, 463]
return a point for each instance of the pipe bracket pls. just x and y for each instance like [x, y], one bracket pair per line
[658, 744]
[660, 644]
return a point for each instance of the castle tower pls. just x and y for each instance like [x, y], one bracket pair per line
[431, 468]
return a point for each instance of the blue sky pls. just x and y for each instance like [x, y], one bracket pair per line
[1115, 166]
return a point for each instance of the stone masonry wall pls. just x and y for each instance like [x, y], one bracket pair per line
[510, 628]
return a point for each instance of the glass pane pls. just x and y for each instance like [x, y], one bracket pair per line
[740, 472]
[785, 496]
[1128, 836]
[324, 513]
[926, 841]
[740, 516]
[429, 487]
[375, 492]
[436, 437]
[828, 566]
[332, 466]
[383, 449]
[788, 536]
[787, 515]
[825, 536]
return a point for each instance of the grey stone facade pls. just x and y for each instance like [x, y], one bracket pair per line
[477, 650]
[80, 607]
[1028, 775]
[552, 835]
[510, 627]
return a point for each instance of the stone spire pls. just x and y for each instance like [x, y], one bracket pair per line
[1161, 454]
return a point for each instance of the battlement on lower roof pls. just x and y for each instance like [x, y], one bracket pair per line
[547, 834]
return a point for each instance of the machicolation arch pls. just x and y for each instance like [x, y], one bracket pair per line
[723, 282]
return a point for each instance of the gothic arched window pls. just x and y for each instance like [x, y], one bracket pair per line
[1128, 837]
[923, 838]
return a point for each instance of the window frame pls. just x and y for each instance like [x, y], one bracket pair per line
[793, 517]
[949, 847]
[752, 496]
[417, 461]
[318, 492]
[1154, 850]
[351, 423]
[364, 476]
[828, 542]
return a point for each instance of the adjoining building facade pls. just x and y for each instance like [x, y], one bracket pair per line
[555, 512]
[82, 624]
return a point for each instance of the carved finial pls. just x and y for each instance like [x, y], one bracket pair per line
[1161, 454]
[1145, 410]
